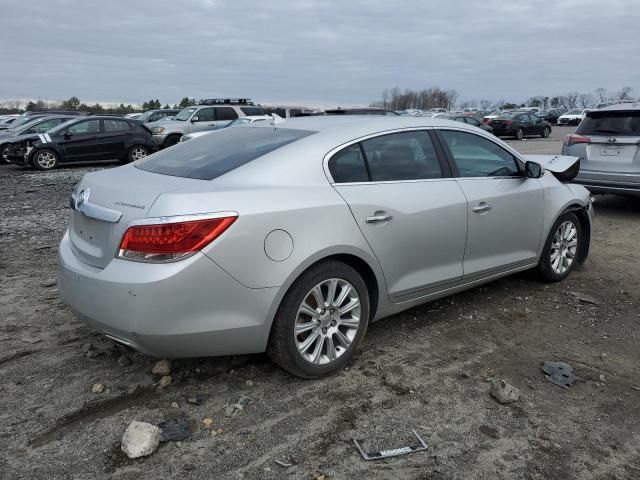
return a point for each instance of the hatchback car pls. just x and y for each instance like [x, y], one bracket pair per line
[36, 126]
[608, 143]
[87, 139]
[520, 125]
[291, 237]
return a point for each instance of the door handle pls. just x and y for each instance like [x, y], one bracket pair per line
[483, 207]
[379, 218]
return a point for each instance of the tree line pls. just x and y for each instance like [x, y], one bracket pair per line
[435, 97]
[74, 104]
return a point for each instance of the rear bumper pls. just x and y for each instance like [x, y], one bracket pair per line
[609, 187]
[190, 308]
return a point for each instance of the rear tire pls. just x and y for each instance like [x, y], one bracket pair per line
[137, 152]
[312, 338]
[519, 133]
[45, 159]
[4, 149]
[561, 249]
[171, 140]
[546, 132]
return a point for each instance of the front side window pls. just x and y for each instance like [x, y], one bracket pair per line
[225, 113]
[476, 156]
[115, 126]
[85, 128]
[402, 156]
[348, 165]
[204, 115]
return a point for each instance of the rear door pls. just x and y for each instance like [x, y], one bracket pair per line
[613, 152]
[114, 136]
[410, 210]
[505, 209]
[80, 141]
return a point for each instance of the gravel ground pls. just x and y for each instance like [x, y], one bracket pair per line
[427, 369]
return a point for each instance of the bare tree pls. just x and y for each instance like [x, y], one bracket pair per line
[624, 94]
[571, 99]
[602, 94]
[586, 100]
[486, 104]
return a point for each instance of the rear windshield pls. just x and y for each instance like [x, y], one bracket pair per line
[248, 111]
[611, 123]
[210, 156]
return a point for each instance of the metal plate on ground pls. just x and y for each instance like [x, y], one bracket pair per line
[393, 452]
[559, 373]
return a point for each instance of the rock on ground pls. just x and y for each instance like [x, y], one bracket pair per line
[503, 392]
[162, 368]
[140, 439]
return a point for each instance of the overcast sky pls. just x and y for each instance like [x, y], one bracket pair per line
[314, 52]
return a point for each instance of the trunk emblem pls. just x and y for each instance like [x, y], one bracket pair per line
[82, 197]
[612, 139]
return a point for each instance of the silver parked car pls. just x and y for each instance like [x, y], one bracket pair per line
[608, 143]
[291, 237]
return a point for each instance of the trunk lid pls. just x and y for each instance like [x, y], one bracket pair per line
[111, 199]
[608, 153]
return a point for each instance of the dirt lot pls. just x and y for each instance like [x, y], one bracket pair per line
[427, 369]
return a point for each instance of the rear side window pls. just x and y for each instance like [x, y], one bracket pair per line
[116, 126]
[348, 165]
[402, 156]
[225, 113]
[252, 111]
[476, 156]
[210, 156]
[619, 124]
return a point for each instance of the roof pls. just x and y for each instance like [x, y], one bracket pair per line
[620, 107]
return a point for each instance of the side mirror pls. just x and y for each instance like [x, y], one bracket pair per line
[68, 134]
[532, 170]
[194, 119]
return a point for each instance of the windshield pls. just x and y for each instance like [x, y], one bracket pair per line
[144, 116]
[507, 115]
[210, 156]
[620, 124]
[185, 114]
[574, 112]
[19, 122]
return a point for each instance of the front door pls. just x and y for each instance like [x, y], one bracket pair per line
[413, 217]
[202, 120]
[80, 141]
[505, 209]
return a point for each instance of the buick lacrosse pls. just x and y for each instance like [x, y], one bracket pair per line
[290, 237]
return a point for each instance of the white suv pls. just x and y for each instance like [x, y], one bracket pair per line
[197, 119]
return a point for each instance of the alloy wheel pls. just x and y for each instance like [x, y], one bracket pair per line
[564, 247]
[138, 153]
[46, 160]
[327, 321]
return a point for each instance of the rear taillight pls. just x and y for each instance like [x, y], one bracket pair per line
[574, 138]
[171, 241]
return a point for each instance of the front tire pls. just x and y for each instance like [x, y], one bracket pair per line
[561, 249]
[546, 132]
[171, 140]
[321, 321]
[45, 159]
[519, 133]
[137, 152]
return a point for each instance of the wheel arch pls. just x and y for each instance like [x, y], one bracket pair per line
[363, 263]
[580, 211]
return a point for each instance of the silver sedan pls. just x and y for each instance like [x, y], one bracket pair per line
[291, 237]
